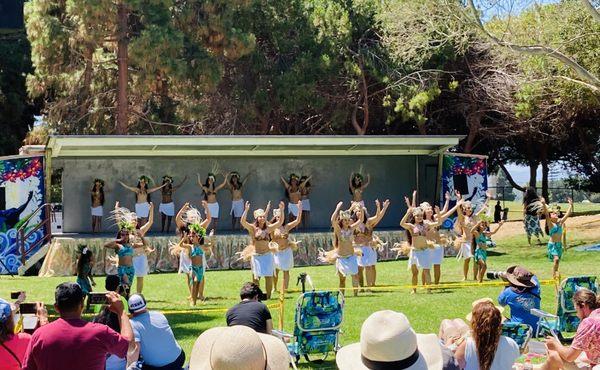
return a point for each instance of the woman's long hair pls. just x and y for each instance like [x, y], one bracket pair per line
[82, 260]
[208, 185]
[486, 325]
[101, 193]
[585, 297]
[7, 329]
[530, 196]
[139, 186]
[236, 185]
[355, 183]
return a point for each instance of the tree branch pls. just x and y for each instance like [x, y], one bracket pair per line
[592, 10]
[510, 179]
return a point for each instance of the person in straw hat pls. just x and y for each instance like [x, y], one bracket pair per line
[387, 341]
[521, 295]
[238, 347]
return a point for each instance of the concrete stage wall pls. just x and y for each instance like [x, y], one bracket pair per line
[392, 177]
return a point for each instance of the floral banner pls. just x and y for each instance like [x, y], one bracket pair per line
[21, 192]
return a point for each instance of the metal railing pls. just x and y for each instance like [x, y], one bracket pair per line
[23, 234]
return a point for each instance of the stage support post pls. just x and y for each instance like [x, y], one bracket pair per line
[47, 174]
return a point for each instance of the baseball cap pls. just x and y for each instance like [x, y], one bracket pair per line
[5, 310]
[136, 303]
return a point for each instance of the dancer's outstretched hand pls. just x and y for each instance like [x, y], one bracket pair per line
[407, 201]
[386, 203]
[204, 204]
[447, 195]
[339, 205]
[281, 205]
[247, 206]
[569, 200]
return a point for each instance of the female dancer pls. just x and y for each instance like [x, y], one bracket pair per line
[284, 257]
[483, 241]
[357, 187]
[210, 196]
[532, 207]
[142, 197]
[235, 185]
[124, 250]
[420, 246]
[167, 207]
[554, 225]
[97, 194]
[84, 271]
[293, 192]
[305, 188]
[464, 223]
[364, 238]
[259, 251]
[343, 252]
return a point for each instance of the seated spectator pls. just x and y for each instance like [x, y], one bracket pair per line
[453, 332]
[157, 345]
[584, 352]
[387, 341]
[522, 294]
[70, 343]
[238, 347]
[250, 311]
[486, 348]
[13, 346]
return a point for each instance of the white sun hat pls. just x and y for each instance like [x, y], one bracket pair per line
[388, 341]
[238, 347]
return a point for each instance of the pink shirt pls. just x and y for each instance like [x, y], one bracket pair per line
[17, 344]
[73, 344]
[587, 338]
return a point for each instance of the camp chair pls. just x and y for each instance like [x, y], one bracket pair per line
[566, 319]
[519, 332]
[317, 322]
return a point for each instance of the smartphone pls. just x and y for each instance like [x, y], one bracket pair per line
[27, 308]
[15, 295]
[97, 298]
[262, 297]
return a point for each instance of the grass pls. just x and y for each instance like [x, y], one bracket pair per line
[516, 208]
[167, 292]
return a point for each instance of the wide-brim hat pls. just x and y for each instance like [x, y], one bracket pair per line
[388, 340]
[238, 347]
[469, 316]
[519, 277]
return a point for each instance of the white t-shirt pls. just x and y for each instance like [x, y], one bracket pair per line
[506, 355]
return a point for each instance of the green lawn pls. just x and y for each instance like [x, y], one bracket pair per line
[516, 208]
[167, 292]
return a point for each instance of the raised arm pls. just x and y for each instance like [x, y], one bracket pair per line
[364, 186]
[404, 222]
[446, 203]
[373, 221]
[200, 181]
[144, 229]
[497, 228]
[414, 199]
[175, 187]
[207, 216]
[546, 213]
[179, 217]
[350, 181]
[303, 183]
[485, 204]
[113, 244]
[244, 219]
[335, 213]
[298, 219]
[246, 178]
[444, 215]
[569, 211]
[285, 183]
[474, 231]
[134, 189]
[221, 185]
[277, 224]
[152, 190]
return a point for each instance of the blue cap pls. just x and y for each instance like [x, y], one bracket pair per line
[5, 310]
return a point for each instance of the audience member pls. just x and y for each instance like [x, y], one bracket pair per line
[584, 352]
[486, 348]
[250, 311]
[70, 343]
[521, 295]
[238, 347]
[157, 345]
[13, 345]
[388, 341]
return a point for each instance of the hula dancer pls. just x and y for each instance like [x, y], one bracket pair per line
[97, 195]
[235, 185]
[259, 251]
[124, 250]
[293, 191]
[554, 227]
[84, 271]
[284, 257]
[305, 189]
[142, 197]
[368, 242]
[210, 191]
[167, 207]
[467, 218]
[532, 208]
[483, 241]
[357, 187]
[343, 252]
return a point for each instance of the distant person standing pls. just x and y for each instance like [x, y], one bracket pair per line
[497, 212]
[532, 208]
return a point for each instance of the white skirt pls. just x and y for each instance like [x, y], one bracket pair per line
[167, 209]
[263, 265]
[368, 258]
[98, 211]
[284, 260]
[306, 205]
[347, 265]
[142, 209]
[437, 255]
[293, 209]
[185, 263]
[140, 265]
[465, 251]
[214, 209]
[237, 208]
[421, 258]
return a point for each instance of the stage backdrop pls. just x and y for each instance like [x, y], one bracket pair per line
[392, 177]
[21, 193]
[468, 175]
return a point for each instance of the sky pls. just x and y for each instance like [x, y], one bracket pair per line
[521, 173]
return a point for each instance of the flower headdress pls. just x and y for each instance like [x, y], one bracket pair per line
[486, 218]
[195, 227]
[100, 181]
[192, 216]
[235, 174]
[417, 211]
[210, 174]
[167, 178]
[124, 218]
[293, 176]
[258, 213]
[358, 175]
[345, 215]
[425, 205]
[145, 178]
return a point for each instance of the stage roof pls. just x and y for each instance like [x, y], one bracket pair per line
[174, 146]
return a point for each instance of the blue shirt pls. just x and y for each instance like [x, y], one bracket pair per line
[157, 343]
[521, 303]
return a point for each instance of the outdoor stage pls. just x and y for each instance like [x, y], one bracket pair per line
[61, 259]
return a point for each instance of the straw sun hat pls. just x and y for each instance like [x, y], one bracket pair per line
[238, 347]
[388, 341]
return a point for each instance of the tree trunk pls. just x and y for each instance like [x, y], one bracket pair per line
[122, 43]
[510, 178]
[545, 171]
[361, 128]
[533, 166]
